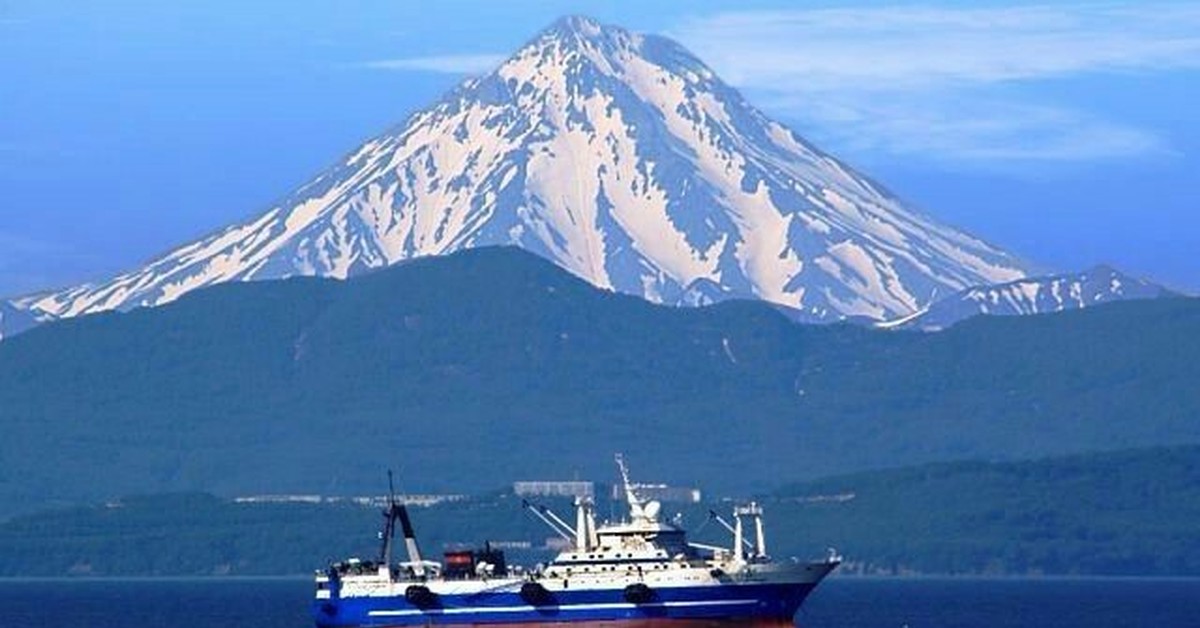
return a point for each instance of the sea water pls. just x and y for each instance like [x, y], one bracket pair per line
[837, 603]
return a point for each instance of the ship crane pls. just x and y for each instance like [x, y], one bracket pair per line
[552, 520]
[583, 535]
[754, 511]
[712, 515]
[396, 511]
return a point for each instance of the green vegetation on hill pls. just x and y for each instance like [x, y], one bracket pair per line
[1121, 513]
[199, 534]
[491, 365]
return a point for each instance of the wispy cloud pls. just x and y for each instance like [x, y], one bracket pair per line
[926, 79]
[970, 130]
[444, 64]
[929, 45]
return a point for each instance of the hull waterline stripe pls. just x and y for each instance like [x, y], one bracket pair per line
[573, 607]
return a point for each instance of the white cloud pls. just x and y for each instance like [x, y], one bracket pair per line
[445, 64]
[969, 130]
[929, 45]
[925, 79]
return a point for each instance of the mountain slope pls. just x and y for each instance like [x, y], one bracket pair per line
[1035, 295]
[492, 365]
[620, 157]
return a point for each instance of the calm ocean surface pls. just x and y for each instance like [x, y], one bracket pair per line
[841, 603]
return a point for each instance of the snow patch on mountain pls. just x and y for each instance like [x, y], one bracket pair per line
[1035, 295]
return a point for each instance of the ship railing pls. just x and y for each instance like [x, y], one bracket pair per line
[407, 571]
[717, 551]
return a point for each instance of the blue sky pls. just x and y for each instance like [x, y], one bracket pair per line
[1061, 131]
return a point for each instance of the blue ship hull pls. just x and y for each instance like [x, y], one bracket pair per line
[702, 605]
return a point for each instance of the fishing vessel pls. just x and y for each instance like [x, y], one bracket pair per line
[641, 571]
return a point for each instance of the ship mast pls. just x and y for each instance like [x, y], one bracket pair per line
[389, 525]
[754, 512]
[635, 504]
[636, 511]
[639, 511]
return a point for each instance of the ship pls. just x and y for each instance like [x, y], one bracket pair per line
[640, 571]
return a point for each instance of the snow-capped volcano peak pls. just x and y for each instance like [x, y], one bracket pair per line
[619, 156]
[577, 26]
